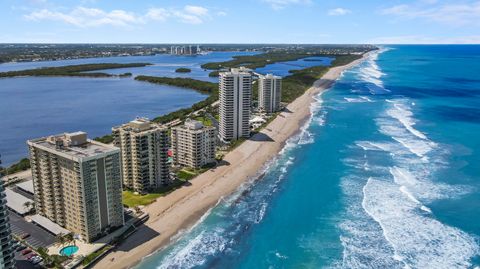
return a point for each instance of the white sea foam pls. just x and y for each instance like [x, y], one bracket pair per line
[407, 193]
[360, 99]
[399, 125]
[320, 118]
[419, 241]
[403, 114]
[196, 251]
[399, 133]
[380, 146]
[364, 245]
[280, 256]
[371, 72]
[423, 188]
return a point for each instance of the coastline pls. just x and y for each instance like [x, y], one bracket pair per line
[183, 208]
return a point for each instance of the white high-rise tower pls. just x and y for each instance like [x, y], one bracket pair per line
[235, 101]
[269, 93]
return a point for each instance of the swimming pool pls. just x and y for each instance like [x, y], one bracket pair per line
[68, 251]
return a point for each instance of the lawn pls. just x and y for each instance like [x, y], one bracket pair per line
[131, 200]
[186, 175]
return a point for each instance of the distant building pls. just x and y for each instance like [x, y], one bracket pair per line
[185, 50]
[7, 252]
[78, 183]
[193, 144]
[269, 93]
[235, 101]
[144, 154]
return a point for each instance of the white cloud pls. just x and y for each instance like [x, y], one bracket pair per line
[281, 4]
[221, 13]
[196, 10]
[339, 11]
[86, 17]
[416, 39]
[192, 14]
[91, 17]
[449, 14]
[157, 14]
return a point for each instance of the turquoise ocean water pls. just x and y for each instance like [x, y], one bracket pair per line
[385, 174]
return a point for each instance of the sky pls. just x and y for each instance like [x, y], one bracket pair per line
[240, 21]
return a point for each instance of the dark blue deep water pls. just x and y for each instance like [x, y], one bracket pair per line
[384, 175]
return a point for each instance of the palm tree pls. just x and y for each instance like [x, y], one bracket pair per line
[60, 239]
[69, 238]
[28, 205]
[43, 252]
[137, 209]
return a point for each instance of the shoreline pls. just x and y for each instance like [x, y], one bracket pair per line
[180, 210]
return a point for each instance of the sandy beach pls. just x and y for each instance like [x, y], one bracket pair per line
[184, 207]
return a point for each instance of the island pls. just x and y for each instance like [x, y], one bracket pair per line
[74, 70]
[183, 70]
[259, 60]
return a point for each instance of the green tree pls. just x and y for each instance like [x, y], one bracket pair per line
[60, 239]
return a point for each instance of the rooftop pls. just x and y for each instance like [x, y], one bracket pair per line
[269, 76]
[16, 202]
[193, 125]
[240, 70]
[75, 145]
[26, 186]
[49, 225]
[138, 125]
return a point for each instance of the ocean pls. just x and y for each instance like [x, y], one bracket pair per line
[385, 174]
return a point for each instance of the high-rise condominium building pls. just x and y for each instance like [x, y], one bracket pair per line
[144, 150]
[77, 183]
[269, 93]
[193, 144]
[235, 101]
[7, 253]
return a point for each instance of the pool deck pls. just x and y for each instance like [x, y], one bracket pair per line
[85, 249]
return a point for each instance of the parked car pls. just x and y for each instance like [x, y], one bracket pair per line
[36, 259]
[31, 256]
[21, 247]
[26, 251]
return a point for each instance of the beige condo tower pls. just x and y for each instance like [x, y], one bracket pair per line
[144, 154]
[77, 183]
[193, 144]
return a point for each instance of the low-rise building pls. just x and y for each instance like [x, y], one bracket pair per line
[77, 183]
[193, 144]
[144, 153]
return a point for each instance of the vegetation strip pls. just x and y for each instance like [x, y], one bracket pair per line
[74, 70]
[198, 85]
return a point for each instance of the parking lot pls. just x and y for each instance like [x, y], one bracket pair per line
[38, 236]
